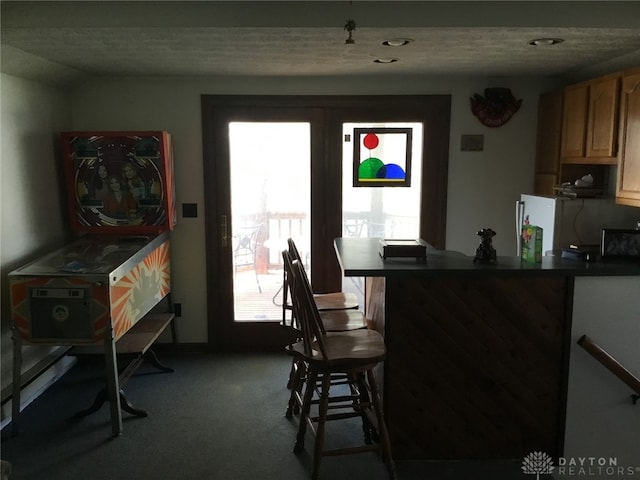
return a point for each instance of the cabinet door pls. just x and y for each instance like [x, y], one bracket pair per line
[574, 120]
[603, 118]
[628, 185]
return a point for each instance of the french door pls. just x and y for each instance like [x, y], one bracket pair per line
[258, 169]
[272, 170]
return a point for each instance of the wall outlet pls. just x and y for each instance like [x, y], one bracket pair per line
[177, 309]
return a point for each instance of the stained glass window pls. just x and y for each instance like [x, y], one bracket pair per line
[382, 157]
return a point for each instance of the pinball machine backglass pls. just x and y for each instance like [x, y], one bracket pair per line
[119, 182]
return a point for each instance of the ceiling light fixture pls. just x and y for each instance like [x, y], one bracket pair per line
[397, 42]
[545, 42]
[385, 60]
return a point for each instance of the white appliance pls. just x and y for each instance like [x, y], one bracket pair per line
[566, 221]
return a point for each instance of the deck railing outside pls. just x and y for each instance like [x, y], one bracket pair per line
[257, 290]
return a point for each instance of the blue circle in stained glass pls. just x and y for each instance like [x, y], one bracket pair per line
[393, 171]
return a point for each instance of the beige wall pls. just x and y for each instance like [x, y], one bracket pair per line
[483, 186]
[32, 211]
[33, 220]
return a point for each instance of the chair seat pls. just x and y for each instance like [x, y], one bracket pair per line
[335, 301]
[331, 301]
[352, 349]
[343, 320]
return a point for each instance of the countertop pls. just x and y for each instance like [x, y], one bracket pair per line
[359, 257]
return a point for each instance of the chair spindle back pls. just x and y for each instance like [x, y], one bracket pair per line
[305, 307]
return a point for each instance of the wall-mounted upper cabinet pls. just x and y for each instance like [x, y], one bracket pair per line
[547, 167]
[603, 118]
[574, 120]
[590, 121]
[628, 182]
[549, 170]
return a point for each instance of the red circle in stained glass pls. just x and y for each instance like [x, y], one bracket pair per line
[370, 141]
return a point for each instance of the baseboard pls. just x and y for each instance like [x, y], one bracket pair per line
[37, 386]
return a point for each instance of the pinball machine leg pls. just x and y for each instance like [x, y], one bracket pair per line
[153, 359]
[17, 367]
[113, 384]
[128, 407]
[101, 397]
[174, 332]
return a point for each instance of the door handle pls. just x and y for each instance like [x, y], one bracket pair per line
[223, 231]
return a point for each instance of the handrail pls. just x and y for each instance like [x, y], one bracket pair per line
[611, 364]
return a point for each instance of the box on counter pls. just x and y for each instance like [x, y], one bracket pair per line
[531, 250]
[403, 248]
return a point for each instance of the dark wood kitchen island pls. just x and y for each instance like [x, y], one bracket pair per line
[477, 355]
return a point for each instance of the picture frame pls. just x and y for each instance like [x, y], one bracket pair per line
[382, 157]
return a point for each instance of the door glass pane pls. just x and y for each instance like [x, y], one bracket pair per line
[380, 212]
[270, 202]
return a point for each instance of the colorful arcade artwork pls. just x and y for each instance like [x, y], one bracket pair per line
[120, 180]
[382, 157]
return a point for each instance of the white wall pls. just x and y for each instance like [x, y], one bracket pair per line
[33, 219]
[32, 210]
[602, 421]
[483, 186]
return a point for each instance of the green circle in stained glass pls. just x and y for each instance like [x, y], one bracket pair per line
[369, 168]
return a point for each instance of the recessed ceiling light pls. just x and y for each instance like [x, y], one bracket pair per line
[385, 60]
[397, 42]
[545, 42]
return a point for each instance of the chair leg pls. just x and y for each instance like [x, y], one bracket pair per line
[367, 428]
[296, 380]
[285, 290]
[323, 408]
[292, 373]
[304, 412]
[382, 426]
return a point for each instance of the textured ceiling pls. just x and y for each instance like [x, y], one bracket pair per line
[64, 41]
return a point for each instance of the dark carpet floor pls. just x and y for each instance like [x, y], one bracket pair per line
[216, 417]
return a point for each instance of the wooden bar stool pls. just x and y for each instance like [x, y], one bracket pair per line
[332, 321]
[351, 354]
[338, 311]
[324, 301]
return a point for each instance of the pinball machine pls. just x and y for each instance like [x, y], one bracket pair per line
[102, 291]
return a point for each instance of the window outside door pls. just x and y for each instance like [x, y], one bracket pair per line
[270, 192]
[380, 212]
